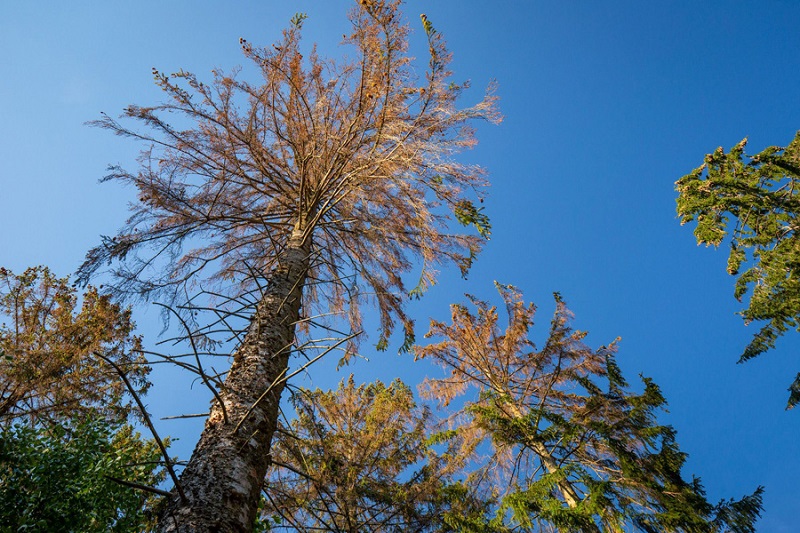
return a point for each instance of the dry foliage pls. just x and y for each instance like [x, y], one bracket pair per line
[358, 459]
[307, 192]
[355, 155]
[48, 370]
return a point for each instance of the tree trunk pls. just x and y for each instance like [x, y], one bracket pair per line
[571, 497]
[223, 480]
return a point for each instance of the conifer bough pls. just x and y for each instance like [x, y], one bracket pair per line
[340, 173]
[573, 448]
[754, 199]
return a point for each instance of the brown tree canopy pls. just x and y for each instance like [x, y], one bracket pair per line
[317, 187]
[48, 339]
[355, 155]
[359, 459]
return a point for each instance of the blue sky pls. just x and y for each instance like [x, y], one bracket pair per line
[606, 104]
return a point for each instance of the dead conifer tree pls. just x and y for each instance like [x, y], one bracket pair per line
[340, 173]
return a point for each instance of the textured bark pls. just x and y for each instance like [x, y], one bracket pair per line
[223, 479]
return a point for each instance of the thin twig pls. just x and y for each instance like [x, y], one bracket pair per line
[139, 486]
[199, 364]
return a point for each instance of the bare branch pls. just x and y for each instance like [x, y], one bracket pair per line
[148, 421]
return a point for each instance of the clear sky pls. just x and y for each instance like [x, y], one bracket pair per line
[606, 104]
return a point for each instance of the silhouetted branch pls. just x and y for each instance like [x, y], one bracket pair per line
[149, 422]
[139, 486]
[199, 364]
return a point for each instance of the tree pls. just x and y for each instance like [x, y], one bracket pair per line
[48, 368]
[359, 459]
[760, 193]
[68, 460]
[573, 448]
[69, 477]
[317, 188]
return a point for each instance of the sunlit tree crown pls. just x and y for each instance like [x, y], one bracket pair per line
[355, 155]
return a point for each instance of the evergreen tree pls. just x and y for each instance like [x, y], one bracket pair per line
[755, 200]
[572, 447]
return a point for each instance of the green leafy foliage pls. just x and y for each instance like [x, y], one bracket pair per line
[59, 478]
[264, 521]
[469, 215]
[426, 25]
[753, 202]
[298, 19]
